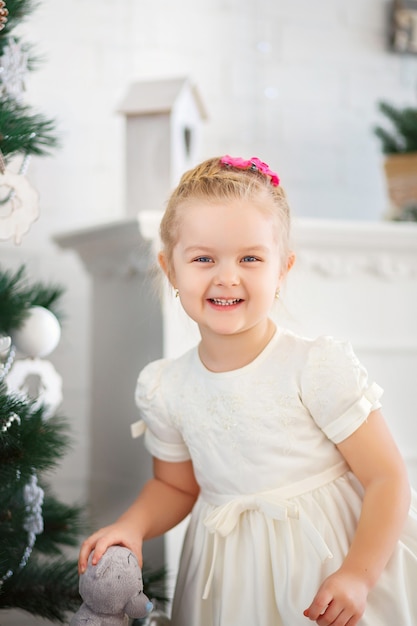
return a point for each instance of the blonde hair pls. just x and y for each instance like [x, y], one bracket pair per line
[211, 181]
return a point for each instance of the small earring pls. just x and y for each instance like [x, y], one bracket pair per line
[177, 293]
[277, 292]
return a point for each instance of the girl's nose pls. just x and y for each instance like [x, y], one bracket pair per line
[227, 275]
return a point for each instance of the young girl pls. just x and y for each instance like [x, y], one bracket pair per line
[299, 498]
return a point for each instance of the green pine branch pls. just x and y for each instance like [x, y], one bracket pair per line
[35, 442]
[45, 589]
[46, 296]
[17, 296]
[63, 525]
[23, 131]
[13, 302]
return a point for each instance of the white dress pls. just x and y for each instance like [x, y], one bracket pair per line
[278, 506]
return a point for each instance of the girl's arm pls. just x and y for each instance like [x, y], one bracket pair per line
[164, 501]
[375, 459]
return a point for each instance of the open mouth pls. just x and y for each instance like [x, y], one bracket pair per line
[223, 302]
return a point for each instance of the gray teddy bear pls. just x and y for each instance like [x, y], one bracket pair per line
[112, 591]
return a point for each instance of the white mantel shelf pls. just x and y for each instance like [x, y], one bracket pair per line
[112, 248]
[386, 249]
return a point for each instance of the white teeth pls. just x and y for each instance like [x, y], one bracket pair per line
[225, 302]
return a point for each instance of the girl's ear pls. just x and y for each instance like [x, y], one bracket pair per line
[290, 263]
[164, 265]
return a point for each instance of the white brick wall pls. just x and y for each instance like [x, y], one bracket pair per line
[295, 83]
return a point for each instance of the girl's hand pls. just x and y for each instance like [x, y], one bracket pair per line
[118, 534]
[164, 501]
[340, 601]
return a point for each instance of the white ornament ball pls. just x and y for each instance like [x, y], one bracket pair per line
[39, 334]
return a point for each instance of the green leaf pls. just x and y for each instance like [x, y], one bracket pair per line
[401, 134]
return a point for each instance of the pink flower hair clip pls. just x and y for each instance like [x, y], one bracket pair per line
[252, 164]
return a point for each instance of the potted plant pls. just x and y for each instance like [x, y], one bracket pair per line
[399, 145]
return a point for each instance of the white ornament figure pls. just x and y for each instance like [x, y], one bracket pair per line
[13, 70]
[19, 203]
[38, 381]
[33, 496]
[39, 335]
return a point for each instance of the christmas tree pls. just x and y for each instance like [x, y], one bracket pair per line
[35, 527]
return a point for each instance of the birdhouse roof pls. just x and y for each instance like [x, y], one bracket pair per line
[158, 96]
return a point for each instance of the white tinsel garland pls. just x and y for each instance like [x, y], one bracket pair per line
[33, 496]
[13, 70]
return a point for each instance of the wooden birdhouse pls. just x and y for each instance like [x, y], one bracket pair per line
[163, 132]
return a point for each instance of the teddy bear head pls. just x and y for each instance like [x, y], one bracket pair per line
[114, 586]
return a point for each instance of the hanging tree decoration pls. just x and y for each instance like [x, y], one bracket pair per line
[34, 377]
[38, 381]
[39, 334]
[13, 69]
[19, 204]
[32, 497]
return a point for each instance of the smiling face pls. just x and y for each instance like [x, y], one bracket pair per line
[226, 265]
[225, 237]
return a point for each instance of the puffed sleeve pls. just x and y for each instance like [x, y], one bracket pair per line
[336, 390]
[162, 439]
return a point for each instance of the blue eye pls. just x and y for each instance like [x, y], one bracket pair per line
[203, 259]
[250, 258]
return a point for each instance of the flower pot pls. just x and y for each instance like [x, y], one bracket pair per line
[401, 177]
